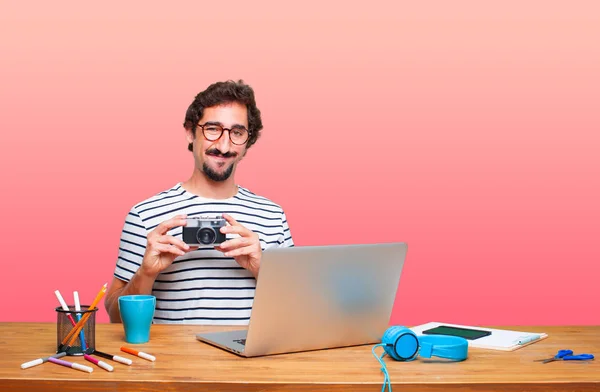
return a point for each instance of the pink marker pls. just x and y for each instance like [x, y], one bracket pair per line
[77, 366]
[103, 365]
[64, 306]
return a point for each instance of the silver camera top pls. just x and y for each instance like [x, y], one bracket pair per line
[199, 221]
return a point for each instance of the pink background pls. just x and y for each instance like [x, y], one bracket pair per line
[466, 129]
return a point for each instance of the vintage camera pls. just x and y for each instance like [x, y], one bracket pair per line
[204, 231]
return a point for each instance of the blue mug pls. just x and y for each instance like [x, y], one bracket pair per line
[137, 312]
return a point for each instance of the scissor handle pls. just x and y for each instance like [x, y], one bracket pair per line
[580, 357]
[563, 353]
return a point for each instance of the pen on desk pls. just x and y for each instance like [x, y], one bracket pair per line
[72, 365]
[39, 361]
[115, 358]
[138, 353]
[64, 306]
[102, 364]
[526, 339]
[78, 315]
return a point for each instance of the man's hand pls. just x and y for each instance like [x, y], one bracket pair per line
[245, 250]
[162, 249]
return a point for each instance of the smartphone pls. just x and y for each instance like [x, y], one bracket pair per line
[470, 334]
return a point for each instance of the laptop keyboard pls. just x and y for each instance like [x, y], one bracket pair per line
[240, 341]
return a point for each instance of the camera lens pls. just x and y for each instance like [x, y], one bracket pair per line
[206, 236]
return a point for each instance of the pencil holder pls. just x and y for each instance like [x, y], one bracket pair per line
[85, 341]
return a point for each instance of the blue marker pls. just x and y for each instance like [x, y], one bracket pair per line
[78, 315]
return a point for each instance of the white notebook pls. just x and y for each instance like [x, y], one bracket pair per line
[499, 339]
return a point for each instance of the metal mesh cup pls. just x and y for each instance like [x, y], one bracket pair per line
[64, 326]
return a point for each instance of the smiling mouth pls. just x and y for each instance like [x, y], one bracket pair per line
[220, 161]
[220, 157]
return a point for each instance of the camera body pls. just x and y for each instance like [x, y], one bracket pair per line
[204, 231]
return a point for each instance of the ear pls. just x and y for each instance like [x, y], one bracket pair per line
[189, 135]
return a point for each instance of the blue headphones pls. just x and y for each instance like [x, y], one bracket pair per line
[402, 344]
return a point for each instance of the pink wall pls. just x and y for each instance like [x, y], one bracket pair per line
[468, 130]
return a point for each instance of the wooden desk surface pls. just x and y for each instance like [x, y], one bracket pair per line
[184, 364]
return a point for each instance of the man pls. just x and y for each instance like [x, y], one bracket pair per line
[213, 285]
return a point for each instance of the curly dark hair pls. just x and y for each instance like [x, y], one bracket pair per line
[220, 93]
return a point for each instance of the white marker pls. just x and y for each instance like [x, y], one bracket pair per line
[39, 361]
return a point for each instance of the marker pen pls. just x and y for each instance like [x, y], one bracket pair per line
[77, 366]
[102, 364]
[39, 361]
[138, 353]
[115, 358]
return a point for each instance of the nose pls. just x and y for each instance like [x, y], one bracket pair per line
[224, 143]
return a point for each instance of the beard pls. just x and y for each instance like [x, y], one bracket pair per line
[215, 176]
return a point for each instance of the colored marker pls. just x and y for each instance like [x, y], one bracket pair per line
[39, 361]
[139, 353]
[115, 358]
[78, 315]
[64, 306]
[102, 364]
[77, 366]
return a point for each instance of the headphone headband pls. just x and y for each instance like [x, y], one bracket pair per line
[450, 347]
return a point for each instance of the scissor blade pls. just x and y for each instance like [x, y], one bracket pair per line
[548, 360]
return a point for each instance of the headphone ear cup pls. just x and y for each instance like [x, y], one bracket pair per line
[389, 339]
[400, 343]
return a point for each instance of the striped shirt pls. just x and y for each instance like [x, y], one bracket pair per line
[202, 286]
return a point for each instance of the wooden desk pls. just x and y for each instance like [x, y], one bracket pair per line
[184, 364]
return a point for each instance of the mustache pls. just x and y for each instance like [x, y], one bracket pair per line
[217, 153]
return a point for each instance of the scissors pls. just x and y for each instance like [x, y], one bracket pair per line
[567, 355]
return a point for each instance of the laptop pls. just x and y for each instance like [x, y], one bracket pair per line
[318, 297]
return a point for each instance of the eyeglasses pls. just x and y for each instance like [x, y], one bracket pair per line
[213, 132]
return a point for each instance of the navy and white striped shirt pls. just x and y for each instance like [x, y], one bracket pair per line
[203, 286]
